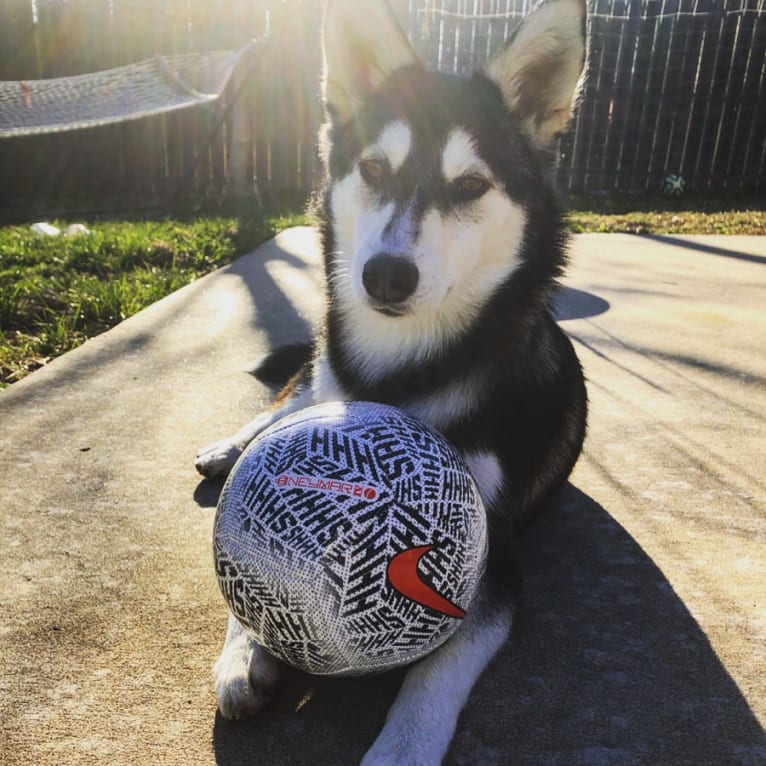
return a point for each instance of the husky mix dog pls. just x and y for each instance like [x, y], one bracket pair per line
[442, 246]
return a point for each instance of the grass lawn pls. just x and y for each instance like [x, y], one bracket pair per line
[668, 215]
[55, 292]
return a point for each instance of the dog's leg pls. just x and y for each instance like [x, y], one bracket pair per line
[217, 459]
[422, 720]
[245, 674]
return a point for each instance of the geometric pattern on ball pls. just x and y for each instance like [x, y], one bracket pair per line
[350, 538]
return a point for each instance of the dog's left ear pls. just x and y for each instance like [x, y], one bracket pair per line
[539, 69]
[363, 45]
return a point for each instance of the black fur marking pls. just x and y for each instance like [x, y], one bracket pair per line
[282, 363]
[534, 416]
[533, 412]
[433, 104]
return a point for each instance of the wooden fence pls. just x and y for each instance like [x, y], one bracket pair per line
[257, 140]
[674, 87]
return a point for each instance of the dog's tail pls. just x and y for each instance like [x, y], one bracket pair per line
[282, 363]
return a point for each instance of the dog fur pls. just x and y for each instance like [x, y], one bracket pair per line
[442, 245]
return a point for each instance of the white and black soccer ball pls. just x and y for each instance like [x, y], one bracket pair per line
[673, 185]
[350, 538]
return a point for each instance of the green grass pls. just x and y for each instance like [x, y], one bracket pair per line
[55, 292]
[689, 214]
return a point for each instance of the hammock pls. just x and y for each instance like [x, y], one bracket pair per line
[154, 86]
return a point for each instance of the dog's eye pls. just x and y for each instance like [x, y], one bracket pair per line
[373, 171]
[468, 188]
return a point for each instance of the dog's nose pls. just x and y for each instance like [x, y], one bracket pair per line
[390, 278]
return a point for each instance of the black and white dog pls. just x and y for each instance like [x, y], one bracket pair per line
[442, 246]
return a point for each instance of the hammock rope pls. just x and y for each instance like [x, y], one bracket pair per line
[150, 87]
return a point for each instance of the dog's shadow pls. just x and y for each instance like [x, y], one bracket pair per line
[606, 666]
[570, 303]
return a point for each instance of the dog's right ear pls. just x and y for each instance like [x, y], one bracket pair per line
[363, 44]
[540, 67]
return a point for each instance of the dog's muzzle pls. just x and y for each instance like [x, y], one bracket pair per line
[389, 281]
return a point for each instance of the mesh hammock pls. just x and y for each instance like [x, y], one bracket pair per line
[154, 86]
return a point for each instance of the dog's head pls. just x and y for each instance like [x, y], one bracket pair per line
[431, 177]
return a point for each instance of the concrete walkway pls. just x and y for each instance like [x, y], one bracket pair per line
[644, 635]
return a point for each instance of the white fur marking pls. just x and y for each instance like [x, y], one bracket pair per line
[422, 720]
[487, 473]
[325, 385]
[244, 674]
[462, 258]
[455, 400]
[460, 157]
[217, 459]
[394, 144]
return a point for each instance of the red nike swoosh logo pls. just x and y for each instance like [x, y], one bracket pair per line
[403, 576]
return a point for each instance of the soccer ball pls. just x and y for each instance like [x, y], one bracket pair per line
[350, 538]
[673, 185]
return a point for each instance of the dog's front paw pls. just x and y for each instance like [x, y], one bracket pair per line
[245, 682]
[217, 459]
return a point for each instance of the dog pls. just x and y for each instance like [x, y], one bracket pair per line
[442, 247]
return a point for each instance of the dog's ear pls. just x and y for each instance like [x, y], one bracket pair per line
[363, 44]
[539, 69]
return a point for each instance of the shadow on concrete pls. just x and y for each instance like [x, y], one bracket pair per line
[602, 355]
[577, 304]
[274, 312]
[42, 386]
[673, 363]
[703, 248]
[207, 492]
[606, 666]
[696, 363]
